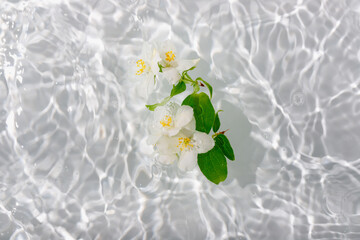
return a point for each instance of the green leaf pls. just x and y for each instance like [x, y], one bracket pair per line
[223, 142]
[178, 88]
[207, 85]
[162, 103]
[216, 125]
[213, 165]
[204, 112]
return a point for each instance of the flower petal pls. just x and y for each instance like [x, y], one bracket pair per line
[159, 113]
[154, 60]
[146, 86]
[167, 145]
[165, 47]
[146, 51]
[169, 109]
[183, 116]
[167, 158]
[152, 139]
[173, 131]
[203, 142]
[191, 125]
[171, 75]
[186, 64]
[187, 160]
[186, 133]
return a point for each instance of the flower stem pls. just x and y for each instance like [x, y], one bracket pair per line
[195, 83]
[188, 79]
[218, 133]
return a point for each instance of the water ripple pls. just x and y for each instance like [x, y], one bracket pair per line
[74, 163]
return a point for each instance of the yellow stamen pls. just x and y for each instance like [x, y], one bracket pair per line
[170, 56]
[140, 64]
[166, 121]
[185, 143]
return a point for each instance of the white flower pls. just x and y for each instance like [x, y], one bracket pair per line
[169, 120]
[172, 66]
[174, 135]
[145, 70]
[191, 146]
[187, 145]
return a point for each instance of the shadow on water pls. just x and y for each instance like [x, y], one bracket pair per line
[248, 152]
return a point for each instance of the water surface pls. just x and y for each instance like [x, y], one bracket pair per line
[74, 163]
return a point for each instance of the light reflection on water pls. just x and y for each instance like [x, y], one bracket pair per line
[74, 163]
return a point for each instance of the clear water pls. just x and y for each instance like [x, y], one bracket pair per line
[73, 159]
